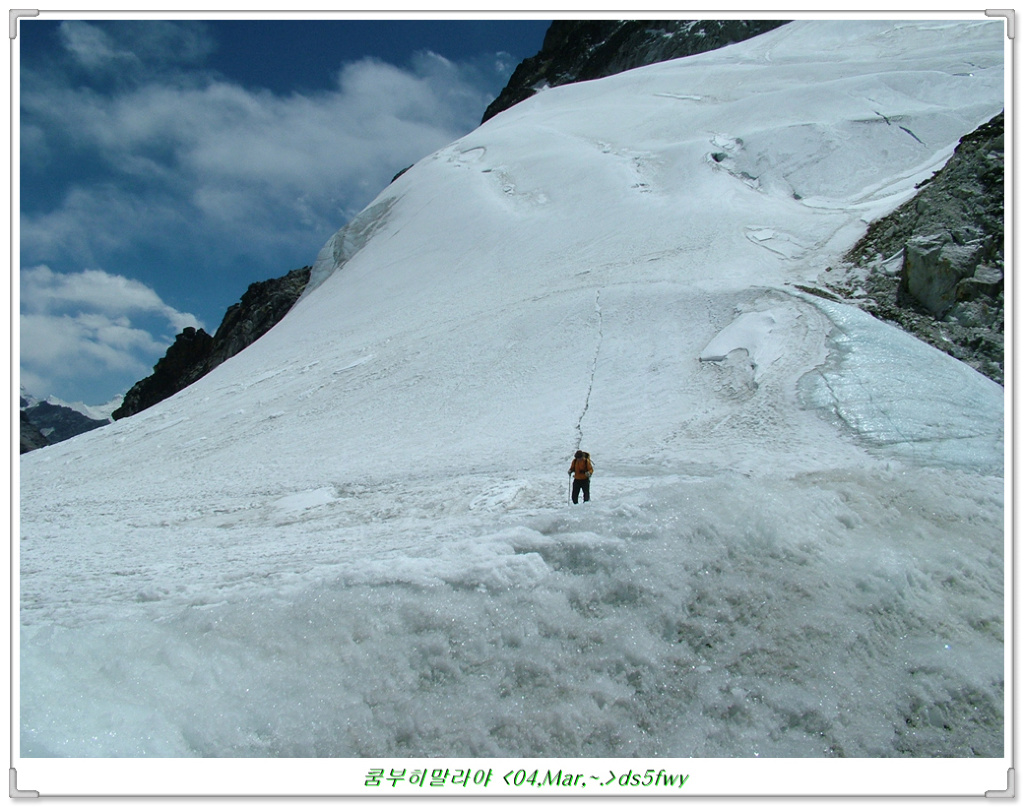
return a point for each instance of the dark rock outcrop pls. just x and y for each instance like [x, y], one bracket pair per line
[31, 437]
[934, 266]
[185, 361]
[262, 306]
[195, 353]
[581, 50]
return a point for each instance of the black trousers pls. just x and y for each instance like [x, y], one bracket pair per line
[577, 486]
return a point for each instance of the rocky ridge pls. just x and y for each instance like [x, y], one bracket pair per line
[195, 353]
[582, 50]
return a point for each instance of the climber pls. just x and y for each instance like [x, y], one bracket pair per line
[581, 470]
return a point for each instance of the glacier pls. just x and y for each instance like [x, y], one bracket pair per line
[352, 540]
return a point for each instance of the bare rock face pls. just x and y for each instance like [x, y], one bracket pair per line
[185, 361]
[262, 306]
[195, 353]
[933, 268]
[582, 50]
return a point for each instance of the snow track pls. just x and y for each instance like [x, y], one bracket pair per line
[593, 368]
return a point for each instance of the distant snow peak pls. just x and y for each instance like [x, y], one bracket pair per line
[101, 412]
[57, 420]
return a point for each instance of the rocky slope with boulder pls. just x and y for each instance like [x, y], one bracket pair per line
[935, 265]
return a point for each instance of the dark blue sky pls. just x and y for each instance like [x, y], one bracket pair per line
[313, 50]
[166, 165]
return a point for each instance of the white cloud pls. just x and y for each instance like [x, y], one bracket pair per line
[59, 345]
[74, 326]
[137, 46]
[199, 177]
[289, 157]
[48, 292]
[90, 46]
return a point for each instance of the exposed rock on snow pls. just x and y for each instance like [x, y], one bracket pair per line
[933, 268]
[195, 353]
[184, 362]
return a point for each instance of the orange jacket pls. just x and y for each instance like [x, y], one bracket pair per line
[581, 468]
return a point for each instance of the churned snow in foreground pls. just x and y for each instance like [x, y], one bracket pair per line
[353, 539]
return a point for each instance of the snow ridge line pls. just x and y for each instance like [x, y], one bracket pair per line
[593, 369]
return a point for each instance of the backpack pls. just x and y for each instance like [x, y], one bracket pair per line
[586, 469]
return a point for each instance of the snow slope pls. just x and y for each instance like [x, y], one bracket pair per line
[353, 539]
